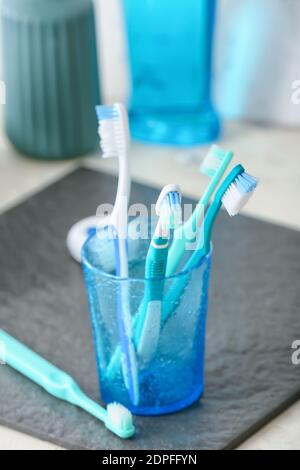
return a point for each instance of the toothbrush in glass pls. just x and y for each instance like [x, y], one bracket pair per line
[147, 321]
[116, 417]
[81, 230]
[147, 328]
[214, 165]
[114, 135]
[234, 193]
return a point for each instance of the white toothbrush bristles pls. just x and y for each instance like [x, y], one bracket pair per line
[239, 193]
[113, 130]
[168, 207]
[119, 419]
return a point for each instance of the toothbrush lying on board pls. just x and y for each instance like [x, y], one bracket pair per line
[147, 328]
[214, 165]
[61, 385]
[147, 321]
[114, 134]
[234, 193]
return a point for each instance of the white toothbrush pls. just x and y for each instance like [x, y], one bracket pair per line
[114, 141]
[115, 138]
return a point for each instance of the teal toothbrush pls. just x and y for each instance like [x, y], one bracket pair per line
[234, 193]
[214, 165]
[147, 329]
[59, 384]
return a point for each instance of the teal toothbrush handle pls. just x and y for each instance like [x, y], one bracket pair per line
[155, 273]
[179, 284]
[39, 370]
[209, 222]
[155, 270]
[185, 234]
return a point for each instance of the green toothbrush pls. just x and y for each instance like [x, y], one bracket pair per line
[59, 384]
[214, 165]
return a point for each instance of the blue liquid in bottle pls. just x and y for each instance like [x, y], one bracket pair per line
[170, 50]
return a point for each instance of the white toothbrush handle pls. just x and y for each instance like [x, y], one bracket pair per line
[129, 360]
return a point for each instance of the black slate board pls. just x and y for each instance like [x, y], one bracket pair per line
[253, 320]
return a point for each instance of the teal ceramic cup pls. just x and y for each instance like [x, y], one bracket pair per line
[51, 76]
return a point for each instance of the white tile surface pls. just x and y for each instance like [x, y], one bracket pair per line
[270, 154]
[281, 434]
[13, 440]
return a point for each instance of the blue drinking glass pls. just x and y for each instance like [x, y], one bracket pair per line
[173, 378]
[170, 44]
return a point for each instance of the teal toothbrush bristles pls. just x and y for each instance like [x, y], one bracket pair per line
[213, 161]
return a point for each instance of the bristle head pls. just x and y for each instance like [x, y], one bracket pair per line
[213, 161]
[239, 193]
[168, 207]
[119, 420]
[113, 130]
